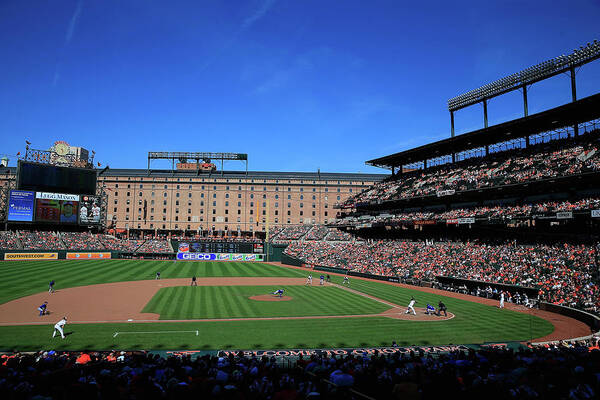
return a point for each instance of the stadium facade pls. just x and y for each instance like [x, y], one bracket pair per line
[177, 201]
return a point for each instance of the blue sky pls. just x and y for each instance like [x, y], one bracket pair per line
[298, 85]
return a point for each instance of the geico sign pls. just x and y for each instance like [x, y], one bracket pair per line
[196, 256]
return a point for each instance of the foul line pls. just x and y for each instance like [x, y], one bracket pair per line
[153, 332]
[387, 303]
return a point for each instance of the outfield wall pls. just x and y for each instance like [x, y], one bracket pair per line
[590, 320]
[31, 255]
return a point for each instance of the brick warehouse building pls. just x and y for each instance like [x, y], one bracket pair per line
[163, 201]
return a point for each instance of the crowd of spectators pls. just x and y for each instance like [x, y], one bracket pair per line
[318, 232]
[40, 240]
[9, 240]
[496, 170]
[155, 246]
[291, 233]
[81, 241]
[485, 212]
[564, 274]
[337, 235]
[123, 245]
[557, 371]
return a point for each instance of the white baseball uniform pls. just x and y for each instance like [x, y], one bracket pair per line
[59, 327]
[309, 280]
[502, 300]
[410, 307]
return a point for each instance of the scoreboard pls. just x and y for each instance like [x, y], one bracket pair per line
[220, 247]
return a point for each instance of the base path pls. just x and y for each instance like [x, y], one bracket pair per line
[123, 301]
[111, 302]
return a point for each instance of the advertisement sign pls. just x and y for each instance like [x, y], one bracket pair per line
[31, 256]
[57, 196]
[466, 221]
[424, 222]
[595, 213]
[452, 221]
[564, 215]
[219, 257]
[20, 206]
[184, 247]
[449, 192]
[89, 210]
[88, 256]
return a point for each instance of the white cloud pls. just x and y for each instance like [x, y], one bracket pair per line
[73, 23]
[258, 14]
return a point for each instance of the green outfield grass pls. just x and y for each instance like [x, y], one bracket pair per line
[203, 302]
[23, 278]
[473, 323]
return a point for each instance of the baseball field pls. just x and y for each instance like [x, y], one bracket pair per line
[118, 304]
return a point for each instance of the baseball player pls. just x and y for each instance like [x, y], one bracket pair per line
[157, 275]
[322, 280]
[59, 327]
[410, 306]
[194, 283]
[501, 300]
[42, 308]
[308, 280]
[442, 308]
[429, 310]
[346, 281]
[328, 278]
[278, 293]
[51, 286]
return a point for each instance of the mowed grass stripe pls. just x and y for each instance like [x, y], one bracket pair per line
[235, 302]
[246, 335]
[23, 278]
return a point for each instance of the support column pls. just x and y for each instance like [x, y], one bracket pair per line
[485, 118]
[452, 123]
[574, 96]
[525, 106]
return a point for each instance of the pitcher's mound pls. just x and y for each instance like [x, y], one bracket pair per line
[270, 297]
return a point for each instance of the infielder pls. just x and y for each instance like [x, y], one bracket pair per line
[278, 293]
[157, 275]
[59, 327]
[51, 286]
[501, 300]
[410, 306]
[322, 280]
[194, 283]
[42, 308]
[346, 281]
[308, 280]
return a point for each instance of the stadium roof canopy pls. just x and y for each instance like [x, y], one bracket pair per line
[567, 115]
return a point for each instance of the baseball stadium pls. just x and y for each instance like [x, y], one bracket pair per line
[467, 253]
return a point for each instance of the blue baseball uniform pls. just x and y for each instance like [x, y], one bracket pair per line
[42, 309]
[278, 292]
[430, 309]
[51, 286]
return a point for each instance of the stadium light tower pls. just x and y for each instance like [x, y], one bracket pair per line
[521, 80]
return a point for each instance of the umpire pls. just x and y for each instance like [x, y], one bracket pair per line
[442, 307]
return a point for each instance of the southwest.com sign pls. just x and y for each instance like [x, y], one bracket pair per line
[219, 257]
[31, 256]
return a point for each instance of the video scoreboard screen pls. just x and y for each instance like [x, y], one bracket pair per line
[53, 208]
[220, 247]
[55, 179]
